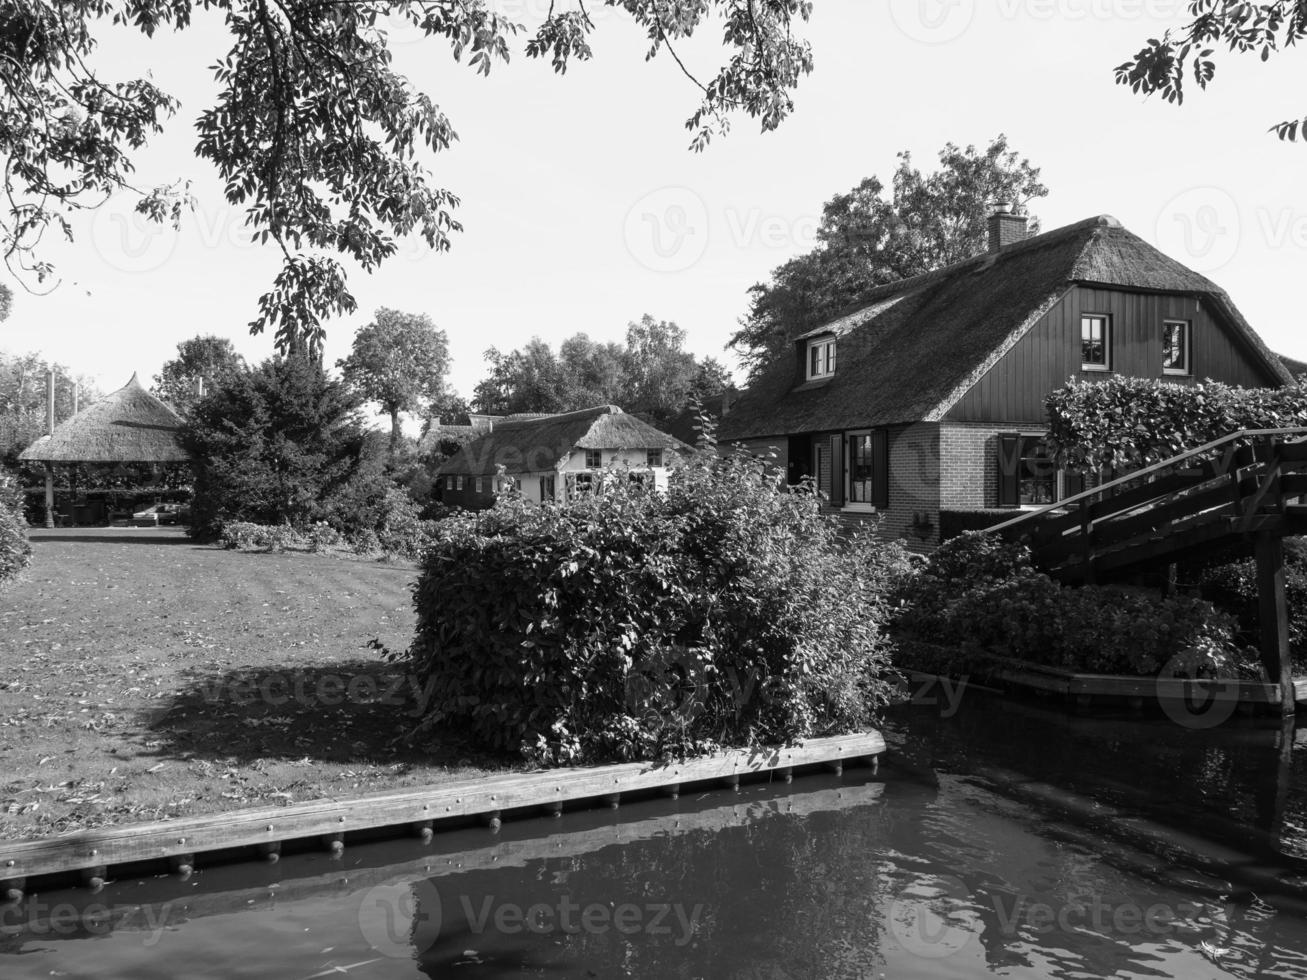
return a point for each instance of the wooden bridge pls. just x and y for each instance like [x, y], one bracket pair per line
[1236, 496]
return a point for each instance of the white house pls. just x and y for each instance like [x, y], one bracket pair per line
[553, 456]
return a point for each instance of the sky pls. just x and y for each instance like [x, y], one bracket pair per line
[584, 208]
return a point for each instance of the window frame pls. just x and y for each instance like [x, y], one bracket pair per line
[1106, 320]
[458, 483]
[867, 506]
[598, 462]
[1186, 333]
[1058, 474]
[825, 348]
[653, 458]
[478, 485]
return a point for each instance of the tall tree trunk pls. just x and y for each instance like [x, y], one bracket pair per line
[394, 432]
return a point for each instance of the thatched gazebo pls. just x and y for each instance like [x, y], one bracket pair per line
[129, 426]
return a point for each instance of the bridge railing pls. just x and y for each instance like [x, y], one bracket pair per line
[1237, 475]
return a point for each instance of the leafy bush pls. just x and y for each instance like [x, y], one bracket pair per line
[979, 595]
[1233, 588]
[1125, 423]
[15, 549]
[244, 536]
[633, 624]
[401, 530]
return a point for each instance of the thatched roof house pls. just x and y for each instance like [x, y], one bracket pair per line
[931, 417]
[535, 451]
[129, 426]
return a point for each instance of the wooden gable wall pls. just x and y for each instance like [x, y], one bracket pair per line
[1013, 390]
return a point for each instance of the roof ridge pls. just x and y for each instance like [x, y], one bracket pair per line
[983, 260]
[595, 410]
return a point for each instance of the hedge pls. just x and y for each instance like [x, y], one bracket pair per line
[632, 624]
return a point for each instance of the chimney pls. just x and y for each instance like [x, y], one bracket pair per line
[1006, 227]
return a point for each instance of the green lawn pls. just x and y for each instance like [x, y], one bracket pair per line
[144, 677]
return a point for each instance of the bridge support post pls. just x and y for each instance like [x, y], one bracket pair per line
[1273, 615]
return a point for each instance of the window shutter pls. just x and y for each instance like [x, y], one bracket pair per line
[1073, 481]
[880, 469]
[1009, 461]
[837, 470]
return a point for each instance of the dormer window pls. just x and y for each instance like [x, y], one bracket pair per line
[821, 358]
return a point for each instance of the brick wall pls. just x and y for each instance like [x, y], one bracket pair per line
[969, 465]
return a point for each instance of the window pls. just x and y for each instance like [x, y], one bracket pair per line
[449, 483]
[861, 467]
[594, 459]
[547, 488]
[578, 483]
[459, 483]
[1095, 343]
[1175, 347]
[654, 457]
[480, 484]
[821, 358]
[1028, 476]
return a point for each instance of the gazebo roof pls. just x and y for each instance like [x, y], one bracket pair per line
[129, 426]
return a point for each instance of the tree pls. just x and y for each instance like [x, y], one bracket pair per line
[866, 239]
[527, 380]
[23, 400]
[314, 134]
[399, 360]
[281, 443]
[203, 358]
[651, 373]
[659, 372]
[1263, 28]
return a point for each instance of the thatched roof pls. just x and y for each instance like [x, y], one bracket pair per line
[914, 347]
[128, 426]
[532, 445]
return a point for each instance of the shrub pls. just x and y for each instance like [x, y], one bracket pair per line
[632, 624]
[1126, 423]
[979, 595]
[244, 536]
[401, 530]
[1233, 588]
[15, 549]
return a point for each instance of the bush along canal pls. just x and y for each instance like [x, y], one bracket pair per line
[996, 838]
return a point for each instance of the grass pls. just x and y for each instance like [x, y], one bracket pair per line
[144, 677]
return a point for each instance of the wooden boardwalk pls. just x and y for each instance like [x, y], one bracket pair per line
[222, 899]
[179, 844]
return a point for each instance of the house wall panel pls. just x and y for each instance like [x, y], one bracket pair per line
[1014, 389]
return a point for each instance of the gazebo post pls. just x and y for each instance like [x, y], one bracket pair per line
[49, 431]
[49, 495]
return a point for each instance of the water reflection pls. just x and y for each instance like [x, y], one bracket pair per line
[1004, 840]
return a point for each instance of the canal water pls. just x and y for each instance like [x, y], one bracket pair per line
[997, 838]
